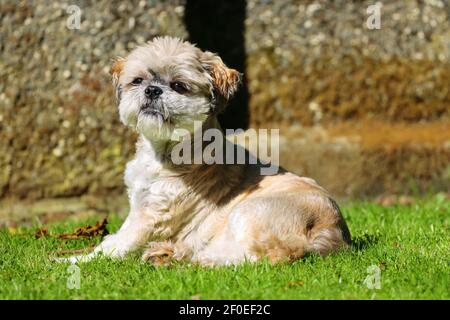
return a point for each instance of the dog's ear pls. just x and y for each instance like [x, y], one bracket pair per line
[225, 80]
[115, 71]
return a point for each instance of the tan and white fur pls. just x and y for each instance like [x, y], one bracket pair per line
[208, 214]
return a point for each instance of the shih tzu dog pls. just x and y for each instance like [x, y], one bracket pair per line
[211, 214]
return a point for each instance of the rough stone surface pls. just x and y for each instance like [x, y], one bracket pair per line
[59, 129]
[317, 61]
[308, 63]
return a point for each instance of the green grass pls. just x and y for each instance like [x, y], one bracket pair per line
[410, 245]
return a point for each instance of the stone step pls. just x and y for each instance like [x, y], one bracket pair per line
[368, 158]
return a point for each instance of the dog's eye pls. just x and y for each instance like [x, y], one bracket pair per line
[137, 81]
[178, 87]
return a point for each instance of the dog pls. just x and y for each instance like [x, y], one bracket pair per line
[208, 214]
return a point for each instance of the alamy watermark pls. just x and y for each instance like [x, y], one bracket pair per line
[73, 22]
[373, 280]
[73, 280]
[211, 146]
[374, 19]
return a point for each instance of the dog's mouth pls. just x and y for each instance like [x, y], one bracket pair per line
[150, 110]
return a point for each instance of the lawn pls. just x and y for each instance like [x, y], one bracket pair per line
[407, 246]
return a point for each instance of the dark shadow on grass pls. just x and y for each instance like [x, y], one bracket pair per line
[364, 241]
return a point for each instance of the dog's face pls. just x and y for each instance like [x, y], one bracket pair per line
[169, 84]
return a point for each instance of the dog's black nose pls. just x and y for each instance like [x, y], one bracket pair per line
[153, 92]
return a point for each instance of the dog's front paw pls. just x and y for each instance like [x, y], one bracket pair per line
[159, 253]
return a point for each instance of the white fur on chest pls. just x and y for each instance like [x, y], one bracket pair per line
[153, 195]
[162, 200]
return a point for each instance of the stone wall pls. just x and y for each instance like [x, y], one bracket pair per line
[317, 61]
[306, 63]
[59, 126]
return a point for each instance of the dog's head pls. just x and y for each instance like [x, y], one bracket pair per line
[169, 83]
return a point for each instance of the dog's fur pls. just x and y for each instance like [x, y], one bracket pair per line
[209, 214]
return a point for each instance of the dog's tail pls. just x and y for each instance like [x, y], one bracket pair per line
[327, 240]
